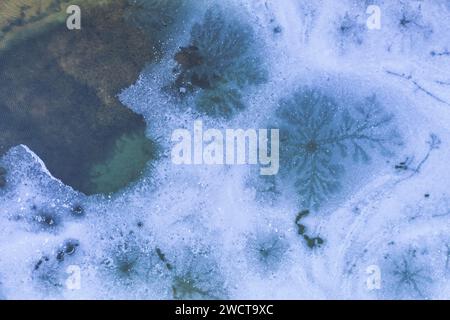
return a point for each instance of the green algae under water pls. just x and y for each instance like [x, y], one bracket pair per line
[125, 164]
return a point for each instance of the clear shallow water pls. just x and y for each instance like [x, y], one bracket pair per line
[59, 97]
[223, 232]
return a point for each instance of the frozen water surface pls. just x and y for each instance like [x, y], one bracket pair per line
[360, 207]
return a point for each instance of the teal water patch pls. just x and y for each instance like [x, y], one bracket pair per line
[125, 164]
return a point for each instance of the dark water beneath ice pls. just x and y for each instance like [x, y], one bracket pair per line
[58, 96]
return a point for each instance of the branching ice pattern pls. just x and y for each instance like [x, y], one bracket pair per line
[407, 278]
[220, 61]
[267, 251]
[317, 135]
